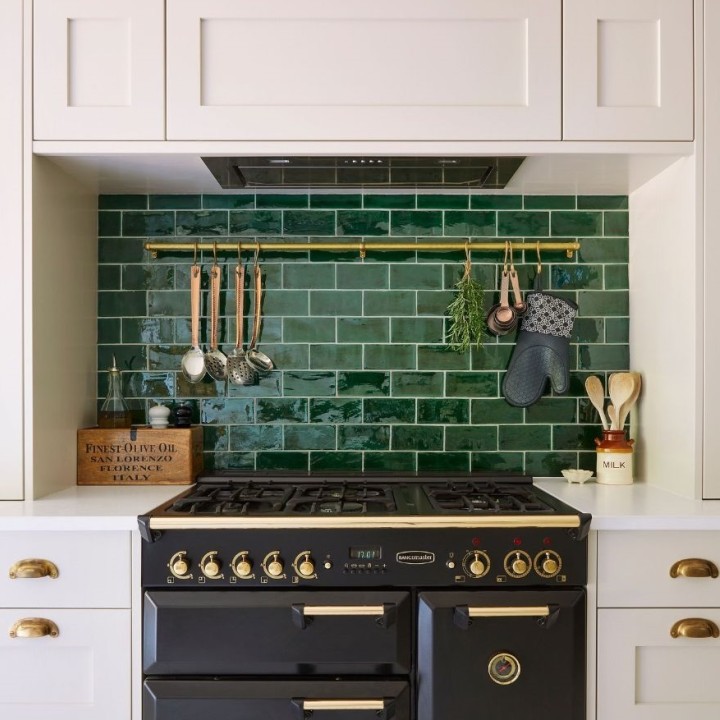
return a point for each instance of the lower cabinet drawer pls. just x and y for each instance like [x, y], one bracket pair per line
[644, 673]
[270, 700]
[79, 672]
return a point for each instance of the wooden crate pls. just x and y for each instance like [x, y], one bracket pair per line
[139, 456]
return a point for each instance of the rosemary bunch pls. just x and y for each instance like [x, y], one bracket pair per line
[467, 313]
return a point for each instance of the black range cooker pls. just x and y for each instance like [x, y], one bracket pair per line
[456, 597]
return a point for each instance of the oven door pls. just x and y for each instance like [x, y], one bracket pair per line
[225, 632]
[270, 700]
[494, 655]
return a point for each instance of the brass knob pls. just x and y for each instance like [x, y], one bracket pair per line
[307, 567]
[477, 566]
[519, 566]
[243, 568]
[694, 567]
[34, 628]
[180, 566]
[695, 628]
[33, 568]
[275, 567]
[211, 568]
[550, 565]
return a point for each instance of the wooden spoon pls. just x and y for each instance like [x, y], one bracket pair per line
[595, 392]
[624, 411]
[621, 387]
[612, 414]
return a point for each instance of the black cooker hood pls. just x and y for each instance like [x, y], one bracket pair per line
[376, 171]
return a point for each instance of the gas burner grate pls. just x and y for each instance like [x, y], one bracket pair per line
[342, 499]
[484, 497]
[247, 499]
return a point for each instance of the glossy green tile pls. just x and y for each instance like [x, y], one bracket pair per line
[281, 410]
[165, 357]
[336, 302]
[388, 410]
[549, 464]
[497, 462]
[109, 330]
[472, 384]
[201, 222]
[382, 462]
[496, 411]
[602, 202]
[336, 357]
[216, 439]
[576, 223]
[267, 386]
[123, 202]
[417, 384]
[292, 461]
[471, 223]
[109, 277]
[617, 330]
[416, 330]
[363, 330]
[414, 437]
[616, 223]
[336, 462]
[588, 330]
[148, 277]
[121, 250]
[308, 222]
[491, 356]
[443, 411]
[524, 437]
[392, 202]
[301, 276]
[575, 437]
[363, 383]
[363, 437]
[365, 276]
[109, 223]
[471, 438]
[229, 461]
[389, 302]
[285, 303]
[287, 356]
[363, 222]
[156, 386]
[496, 202]
[263, 200]
[523, 223]
[416, 277]
[128, 357]
[549, 202]
[316, 384]
[434, 302]
[309, 437]
[616, 277]
[135, 224]
[573, 277]
[416, 222]
[609, 250]
[552, 410]
[147, 330]
[308, 329]
[207, 387]
[168, 303]
[335, 201]
[230, 201]
[443, 202]
[439, 357]
[175, 202]
[255, 222]
[603, 357]
[443, 462]
[121, 303]
[335, 410]
[227, 411]
[611, 302]
[393, 357]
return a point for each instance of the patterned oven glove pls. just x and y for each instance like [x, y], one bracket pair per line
[543, 350]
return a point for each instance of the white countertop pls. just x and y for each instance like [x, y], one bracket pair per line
[619, 507]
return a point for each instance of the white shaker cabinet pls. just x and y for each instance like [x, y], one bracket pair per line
[363, 70]
[628, 70]
[658, 652]
[99, 70]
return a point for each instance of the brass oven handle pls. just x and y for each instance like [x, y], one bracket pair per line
[374, 610]
[33, 568]
[694, 567]
[310, 705]
[694, 628]
[34, 628]
[530, 611]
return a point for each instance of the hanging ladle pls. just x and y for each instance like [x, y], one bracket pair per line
[256, 359]
[215, 360]
[193, 361]
[239, 372]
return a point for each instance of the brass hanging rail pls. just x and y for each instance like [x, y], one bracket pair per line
[360, 247]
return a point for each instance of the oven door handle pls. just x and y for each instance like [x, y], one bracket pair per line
[384, 708]
[385, 615]
[546, 614]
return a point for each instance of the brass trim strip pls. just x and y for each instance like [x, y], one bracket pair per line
[343, 705]
[530, 611]
[420, 521]
[354, 610]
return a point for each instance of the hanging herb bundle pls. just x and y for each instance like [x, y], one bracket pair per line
[467, 312]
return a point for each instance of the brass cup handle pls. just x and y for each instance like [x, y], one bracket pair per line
[310, 705]
[694, 567]
[34, 628]
[33, 568]
[694, 628]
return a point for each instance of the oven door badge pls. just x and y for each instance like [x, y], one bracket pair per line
[415, 557]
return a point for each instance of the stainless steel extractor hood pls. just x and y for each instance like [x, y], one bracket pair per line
[377, 171]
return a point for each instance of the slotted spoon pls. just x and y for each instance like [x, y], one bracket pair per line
[239, 372]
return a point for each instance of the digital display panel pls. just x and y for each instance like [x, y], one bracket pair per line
[366, 552]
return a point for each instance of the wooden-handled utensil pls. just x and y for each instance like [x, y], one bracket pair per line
[595, 392]
[635, 381]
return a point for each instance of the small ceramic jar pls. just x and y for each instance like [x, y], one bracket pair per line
[614, 458]
[159, 416]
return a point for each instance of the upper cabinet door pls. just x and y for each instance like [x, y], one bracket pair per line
[628, 70]
[99, 69]
[363, 70]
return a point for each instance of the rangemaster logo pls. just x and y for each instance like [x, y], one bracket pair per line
[415, 557]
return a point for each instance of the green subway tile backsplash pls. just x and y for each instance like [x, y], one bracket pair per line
[363, 379]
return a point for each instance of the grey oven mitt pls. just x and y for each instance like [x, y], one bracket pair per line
[543, 350]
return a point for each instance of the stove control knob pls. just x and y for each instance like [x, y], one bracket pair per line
[274, 565]
[547, 563]
[518, 564]
[179, 565]
[210, 565]
[305, 566]
[241, 565]
[476, 563]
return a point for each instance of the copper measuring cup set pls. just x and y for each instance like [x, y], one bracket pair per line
[504, 317]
